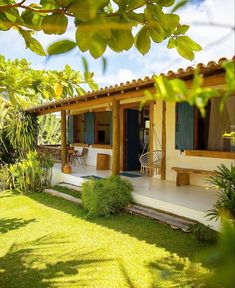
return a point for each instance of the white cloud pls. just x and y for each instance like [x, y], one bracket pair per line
[121, 76]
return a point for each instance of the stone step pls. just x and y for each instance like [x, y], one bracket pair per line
[69, 186]
[70, 198]
[172, 220]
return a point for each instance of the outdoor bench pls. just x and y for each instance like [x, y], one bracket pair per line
[182, 177]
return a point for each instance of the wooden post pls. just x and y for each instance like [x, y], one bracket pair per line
[151, 127]
[116, 137]
[163, 162]
[63, 139]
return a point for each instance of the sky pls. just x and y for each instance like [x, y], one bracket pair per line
[216, 38]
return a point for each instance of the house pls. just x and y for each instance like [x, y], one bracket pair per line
[108, 121]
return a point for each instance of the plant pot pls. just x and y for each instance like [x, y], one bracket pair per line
[67, 169]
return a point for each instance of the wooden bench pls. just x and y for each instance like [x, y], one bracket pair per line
[182, 177]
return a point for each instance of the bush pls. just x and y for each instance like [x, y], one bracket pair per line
[31, 174]
[103, 197]
[224, 181]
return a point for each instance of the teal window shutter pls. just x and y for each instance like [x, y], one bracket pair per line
[111, 126]
[184, 130]
[90, 128]
[70, 129]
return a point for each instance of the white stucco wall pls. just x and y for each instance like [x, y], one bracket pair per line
[175, 158]
[92, 155]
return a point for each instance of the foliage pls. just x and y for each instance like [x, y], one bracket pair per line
[103, 197]
[99, 24]
[25, 87]
[224, 181]
[49, 130]
[222, 258]
[175, 90]
[22, 131]
[204, 233]
[31, 174]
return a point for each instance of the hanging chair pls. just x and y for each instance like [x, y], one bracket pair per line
[150, 162]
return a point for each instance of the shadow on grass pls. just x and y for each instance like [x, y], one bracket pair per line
[8, 224]
[29, 264]
[144, 229]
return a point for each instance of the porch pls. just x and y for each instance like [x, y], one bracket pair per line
[188, 201]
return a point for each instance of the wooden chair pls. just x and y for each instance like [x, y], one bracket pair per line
[81, 157]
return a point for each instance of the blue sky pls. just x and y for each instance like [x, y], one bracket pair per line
[216, 41]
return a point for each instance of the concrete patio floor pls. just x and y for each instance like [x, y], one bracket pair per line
[188, 201]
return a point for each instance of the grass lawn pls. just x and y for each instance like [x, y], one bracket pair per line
[48, 242]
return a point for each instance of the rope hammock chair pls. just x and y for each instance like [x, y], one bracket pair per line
[150, 162]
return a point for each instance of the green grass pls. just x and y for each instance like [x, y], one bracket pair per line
[68, 191]
[48, 242]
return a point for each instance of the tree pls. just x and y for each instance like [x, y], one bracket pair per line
[99, 24]
[24, 86]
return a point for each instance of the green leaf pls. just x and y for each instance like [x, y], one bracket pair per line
[80, 91]
[97, 46]
[190, 43]
[64, 3]
[229, 67]
[120, 40]
[85, 65]
[58, 89]
[142, 41]
[25, 82]
[171, 43]
[134, 4]
[60, 47]
[83, 38]
[179, 5]
[156, 34]
[83, 10]
[55, 24]
[32, 20]
[183, 49]
[181, 29]
[166, 3]
[35, 46]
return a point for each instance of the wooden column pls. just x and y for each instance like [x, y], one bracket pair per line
[63, 139]
[151, 130]
[116, 137]
[163, 162]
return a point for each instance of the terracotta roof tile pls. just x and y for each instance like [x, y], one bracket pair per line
[182, 73]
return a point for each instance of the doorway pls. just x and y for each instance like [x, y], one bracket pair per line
[136, 136]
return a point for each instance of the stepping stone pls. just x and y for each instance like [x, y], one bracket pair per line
[172, 220]
[70, 186]
[63, 195]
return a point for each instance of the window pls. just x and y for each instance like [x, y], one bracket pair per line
[193, 132]
[103, 127]
[79, 128]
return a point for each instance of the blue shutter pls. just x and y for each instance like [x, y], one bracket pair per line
[70, 129]
[111, 127]
[90, 128]
[184, 130]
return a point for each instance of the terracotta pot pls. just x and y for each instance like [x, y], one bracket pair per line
[67, 169]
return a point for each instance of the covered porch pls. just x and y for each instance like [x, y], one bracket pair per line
[191, 202]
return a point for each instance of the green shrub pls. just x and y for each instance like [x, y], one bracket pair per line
[31, 174]
[103, 197]
[204, 233]
[224, 181]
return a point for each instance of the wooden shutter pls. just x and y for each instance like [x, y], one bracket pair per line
[70, 129]
[90, 128]
[184, 130]
[111, 126]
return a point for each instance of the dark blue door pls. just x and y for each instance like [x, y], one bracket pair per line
[132, 140]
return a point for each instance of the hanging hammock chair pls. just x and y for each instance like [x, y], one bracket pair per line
[150, 162]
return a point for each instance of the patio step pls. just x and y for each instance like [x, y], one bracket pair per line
[53, 192]
[174, 221]
[69, 186]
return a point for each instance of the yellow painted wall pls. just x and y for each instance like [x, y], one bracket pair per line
[175, 158]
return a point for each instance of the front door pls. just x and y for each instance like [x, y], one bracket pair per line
[132, 140]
